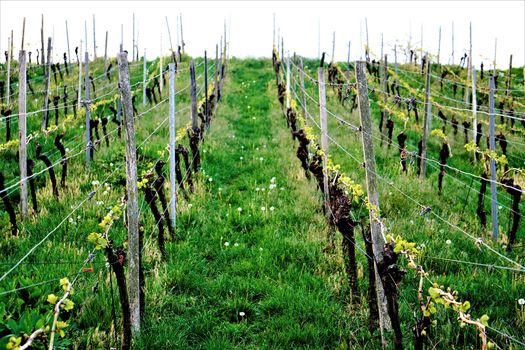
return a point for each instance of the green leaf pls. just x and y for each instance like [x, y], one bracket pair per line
[484, 320]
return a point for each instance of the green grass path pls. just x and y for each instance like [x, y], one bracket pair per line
[249, 271]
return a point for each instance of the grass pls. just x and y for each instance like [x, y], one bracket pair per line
[239, 276]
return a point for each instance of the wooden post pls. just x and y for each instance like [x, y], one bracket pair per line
[132, 196]
[106, 57]
[8, 85]
[79, 98]
[287, 82]
[206, 116]
[68, 51]
[87, 105]
[47, 81]
[324, 145]
[427, 120]
[144, 77]
[378, 240]
[384, 86]
[22, 149]
[23, 33]
[439, 45]
[173, 133]
[193, 95]
[509, 75]
[216, 74]
[474, 108]
[492, 144]
[42, 59]
[121, 38]
[303, 96]
[94, 40]
[169, 33]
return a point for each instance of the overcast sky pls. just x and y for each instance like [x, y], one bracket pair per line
[251, 31]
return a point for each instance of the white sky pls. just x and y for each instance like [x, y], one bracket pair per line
[252, 26]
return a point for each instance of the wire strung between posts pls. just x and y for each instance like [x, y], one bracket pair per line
[428, 159]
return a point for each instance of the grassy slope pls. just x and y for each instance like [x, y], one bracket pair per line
[292, 294]
[277, 274]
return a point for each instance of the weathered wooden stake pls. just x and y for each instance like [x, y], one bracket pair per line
[23, 33]
[378, 240]
[324, 145]
[469, 68]
[47, 81]
[509, 76]
[22, 149]
[132, 197]
[427, 121]
[173, 133]
[492, 144]
[193, 95]
[87, 105]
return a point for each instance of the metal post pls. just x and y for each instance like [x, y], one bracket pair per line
[22, 131]
[106, 57]
[79, 98]
[439, 45]
[42, 60]
[182, 36]
[160, 66]
[47, 82]
[288, 81]
[87, 104]
[427, 121]
[216, 74]
[133, 43]
[173, 133]
[206, 116]
[378, 240]
[474, 108]
[193, 95]
[144, 77]
[134, 252]
[333, 47]
[492, 144]
[8, 85]
[301, 81]
[94, 41]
